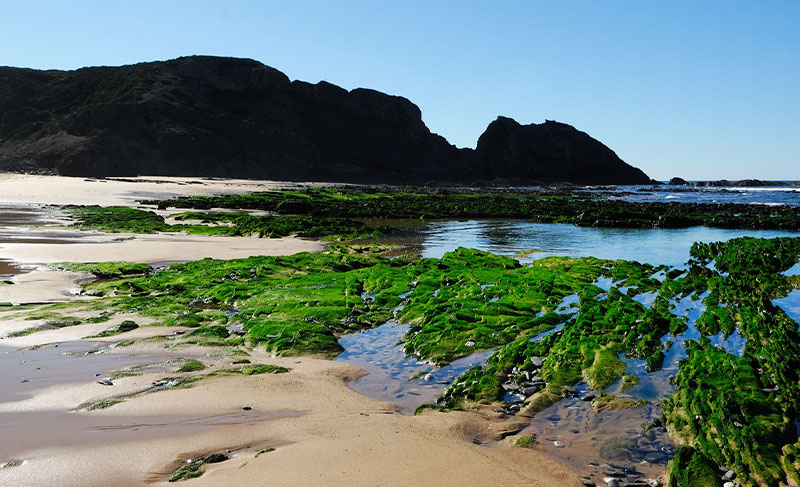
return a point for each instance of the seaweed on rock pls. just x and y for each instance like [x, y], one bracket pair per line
[730, 410]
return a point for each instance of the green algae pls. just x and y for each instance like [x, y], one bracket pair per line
[124, 327]
[605, 402]
[47, 326]
[691, 468]
[537, 206]
[121, 219]
[192, 365]
[194, 467]
[428, 406]
[735, 411]
[252, 369]
[526, 441]
[106, 270]
[103, 404]
[628, 381]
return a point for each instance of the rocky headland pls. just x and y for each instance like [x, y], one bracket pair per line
[229, 117]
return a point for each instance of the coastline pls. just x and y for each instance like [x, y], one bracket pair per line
[323, 432]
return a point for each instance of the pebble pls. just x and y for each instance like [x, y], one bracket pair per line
[247, 408]
[537, 362]
[23, 381]
[558, 444]
[105, 382]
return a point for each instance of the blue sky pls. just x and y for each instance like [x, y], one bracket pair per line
[701, 90]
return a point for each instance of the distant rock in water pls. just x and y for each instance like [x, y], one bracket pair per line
[724, 183]
[229, 117]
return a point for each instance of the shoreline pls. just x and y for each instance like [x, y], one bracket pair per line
[341, 437]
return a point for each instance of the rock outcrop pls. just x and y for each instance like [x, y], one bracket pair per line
[229, 117]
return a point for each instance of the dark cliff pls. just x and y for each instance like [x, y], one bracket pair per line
[228, 117]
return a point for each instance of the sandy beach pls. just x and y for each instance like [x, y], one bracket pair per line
[62, 190]
[322, 432]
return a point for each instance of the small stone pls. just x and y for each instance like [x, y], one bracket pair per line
[363, 414]
[558, 444]
[537, 362]
[23, 381]
[105, 382]
[589, 396]
[729, 475]
[588, 483]
[428, 377]
[470, 343]
[246, 408]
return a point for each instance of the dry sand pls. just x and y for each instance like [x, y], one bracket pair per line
[61, 190]
[323, 432]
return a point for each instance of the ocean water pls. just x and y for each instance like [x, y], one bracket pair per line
[756, 195]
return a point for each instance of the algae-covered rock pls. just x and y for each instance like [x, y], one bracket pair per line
[690, 468]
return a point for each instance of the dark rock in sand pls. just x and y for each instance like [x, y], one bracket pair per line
[529, 391]
[229, 117]
[105, 382]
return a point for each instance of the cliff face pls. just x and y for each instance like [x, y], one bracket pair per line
[551, 151]
[228, 117]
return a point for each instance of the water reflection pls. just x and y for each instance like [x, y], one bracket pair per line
[394, 377]
[509, 237]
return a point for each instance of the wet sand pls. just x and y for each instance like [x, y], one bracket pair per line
[323, 432]
[156, 248]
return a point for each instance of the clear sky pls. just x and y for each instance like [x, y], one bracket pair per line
[701, 90]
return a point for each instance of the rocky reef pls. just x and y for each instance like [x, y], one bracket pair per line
[229, 117]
